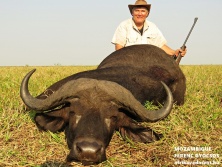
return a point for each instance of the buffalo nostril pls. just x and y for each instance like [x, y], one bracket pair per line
[79, 149]
[88, 151]
[88, 148]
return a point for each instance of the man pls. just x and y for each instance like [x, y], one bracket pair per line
[137, 30]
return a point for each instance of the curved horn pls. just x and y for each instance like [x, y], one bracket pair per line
[60, 97]
[127, 100]
[28, 99]
[121, 95]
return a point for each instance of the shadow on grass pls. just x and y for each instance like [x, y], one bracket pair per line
[54, 164]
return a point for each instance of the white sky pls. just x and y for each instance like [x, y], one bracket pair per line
[68, 32]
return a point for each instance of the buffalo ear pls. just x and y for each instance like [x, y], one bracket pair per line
[54, 121]
[138, 133]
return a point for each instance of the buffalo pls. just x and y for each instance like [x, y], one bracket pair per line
[89, 106]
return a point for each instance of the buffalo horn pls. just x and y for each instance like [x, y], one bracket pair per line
[121, 96]
[126, 99]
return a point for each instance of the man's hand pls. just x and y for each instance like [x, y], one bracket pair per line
[181, 51]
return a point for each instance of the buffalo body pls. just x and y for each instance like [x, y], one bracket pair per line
[91, 105]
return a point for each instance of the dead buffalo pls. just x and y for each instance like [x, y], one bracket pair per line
[91, 105]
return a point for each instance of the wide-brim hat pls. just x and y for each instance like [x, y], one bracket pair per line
[139, 3]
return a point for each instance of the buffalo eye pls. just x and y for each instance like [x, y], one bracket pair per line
[71, 113]
[114, 119]
[111, 122]
[73, 116]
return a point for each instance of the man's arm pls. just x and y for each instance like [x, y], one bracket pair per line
[168, 50]
[172, 52]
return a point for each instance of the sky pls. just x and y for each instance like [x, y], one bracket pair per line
[68, 32]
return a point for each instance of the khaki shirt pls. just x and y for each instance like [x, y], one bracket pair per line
[127, 34]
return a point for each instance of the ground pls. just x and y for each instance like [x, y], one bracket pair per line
[195, 124]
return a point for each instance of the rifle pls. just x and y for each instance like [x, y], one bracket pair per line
[179, 57]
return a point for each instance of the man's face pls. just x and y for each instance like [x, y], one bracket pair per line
[139, 14]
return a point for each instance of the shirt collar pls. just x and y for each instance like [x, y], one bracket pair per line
[145, 26]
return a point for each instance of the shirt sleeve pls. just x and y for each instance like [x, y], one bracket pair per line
[119, 36]
[161, 39]
[157, 37]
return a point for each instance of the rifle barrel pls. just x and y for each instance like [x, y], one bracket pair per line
[179, 57]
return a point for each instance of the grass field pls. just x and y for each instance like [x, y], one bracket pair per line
[198, 123]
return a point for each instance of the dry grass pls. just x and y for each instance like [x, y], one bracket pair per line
[197, 123]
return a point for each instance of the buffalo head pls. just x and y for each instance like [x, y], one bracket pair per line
[89, 111]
